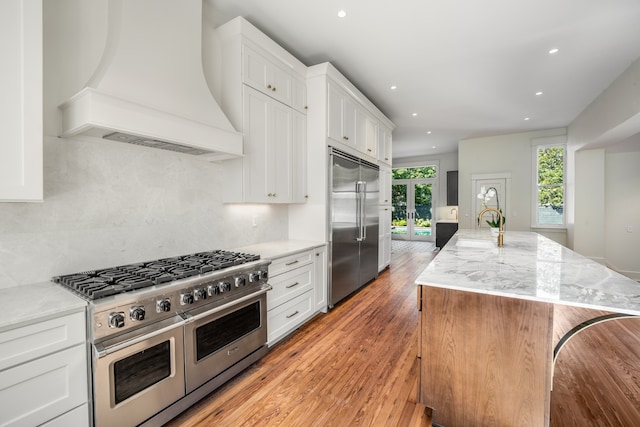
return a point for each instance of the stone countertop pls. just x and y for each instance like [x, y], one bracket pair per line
[37, 302]
[279, 249]
[529, 266]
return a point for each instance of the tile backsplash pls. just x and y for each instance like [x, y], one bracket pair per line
[108, 203]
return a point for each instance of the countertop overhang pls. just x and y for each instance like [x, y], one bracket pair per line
[280, 248]
[529, 266]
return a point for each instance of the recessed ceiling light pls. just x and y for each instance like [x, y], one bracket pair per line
[414, 114]
[554, 51]
[394, 87]
[527, 118]
[342, 14]
[433, 147]
[428, 132]
[538, 93]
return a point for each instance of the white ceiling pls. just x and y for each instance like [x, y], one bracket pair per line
[467, 68]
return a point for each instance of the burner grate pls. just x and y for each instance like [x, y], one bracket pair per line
[126, 278]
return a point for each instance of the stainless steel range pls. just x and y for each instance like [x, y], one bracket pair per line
[165, 333]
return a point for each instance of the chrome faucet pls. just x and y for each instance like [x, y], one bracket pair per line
[501, 229]
[456, 211]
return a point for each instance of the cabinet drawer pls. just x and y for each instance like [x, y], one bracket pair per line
[288, 316]
[289, 285]
[280, 265]
[38, 391]
[78, 417]
[29, 342]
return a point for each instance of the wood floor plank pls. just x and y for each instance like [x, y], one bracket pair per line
[597, 374]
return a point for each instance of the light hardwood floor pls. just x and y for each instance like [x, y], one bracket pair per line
[356, 366]
[597, 374]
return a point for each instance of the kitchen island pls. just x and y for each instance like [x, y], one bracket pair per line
[486, 339]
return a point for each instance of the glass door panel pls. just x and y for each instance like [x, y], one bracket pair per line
[412, 209]
[399, 197]
[422, 211]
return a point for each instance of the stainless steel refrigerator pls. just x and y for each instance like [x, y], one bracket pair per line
[353, 234]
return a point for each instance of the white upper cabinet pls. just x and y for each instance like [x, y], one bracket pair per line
[268, 149]
[352, 122]
[264, 95]
[384, 145]
[299, 191]
[264, 75]
[299, 94]
[367, 134]
[341, 116]
[21, 102]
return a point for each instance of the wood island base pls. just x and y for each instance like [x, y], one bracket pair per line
[484, 359]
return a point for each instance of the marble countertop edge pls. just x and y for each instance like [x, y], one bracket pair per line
[530, 267]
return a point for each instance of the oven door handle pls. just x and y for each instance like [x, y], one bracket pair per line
[102, 351]
[189, 318]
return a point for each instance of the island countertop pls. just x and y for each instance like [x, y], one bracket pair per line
[529, 266]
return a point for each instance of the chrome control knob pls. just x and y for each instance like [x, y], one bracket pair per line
[264, 274]
[200, 294]
[254, 277]
[163, 305]
[213, 290]
[137, 313]
[116, 320]
[186, 299]
[240, 281]
[224, 286]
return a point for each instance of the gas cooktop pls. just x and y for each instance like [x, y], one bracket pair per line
[96, 284]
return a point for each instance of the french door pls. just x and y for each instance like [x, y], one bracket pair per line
[412, 209]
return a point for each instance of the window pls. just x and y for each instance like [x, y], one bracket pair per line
[413, 173]
[549, 193]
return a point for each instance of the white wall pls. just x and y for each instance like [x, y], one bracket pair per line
[589, 204]
[622, 202]
[503, 154]
[108, 203]
[611, 121]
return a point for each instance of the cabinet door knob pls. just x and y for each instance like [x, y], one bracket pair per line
[268, 86]
[274, 89]
[369, 149]
[346, 138]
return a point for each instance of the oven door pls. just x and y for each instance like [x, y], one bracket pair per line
[140, 376]
[218, 337]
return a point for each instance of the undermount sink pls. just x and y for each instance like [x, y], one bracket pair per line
[476, 243]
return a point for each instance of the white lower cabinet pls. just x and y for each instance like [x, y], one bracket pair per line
[299, 291]
[287, 317]
[75, 417]
[321, 278]
[384, 238]
[44, 374]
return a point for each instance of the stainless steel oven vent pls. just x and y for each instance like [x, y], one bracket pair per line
[155, 143]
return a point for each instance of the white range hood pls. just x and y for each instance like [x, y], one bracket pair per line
[149, 88]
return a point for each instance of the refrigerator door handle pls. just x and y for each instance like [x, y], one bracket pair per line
[360, 192]
[363, 212]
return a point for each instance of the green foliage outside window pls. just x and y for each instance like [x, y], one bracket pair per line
[551, 176]
[423, 196]
[413, 173]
